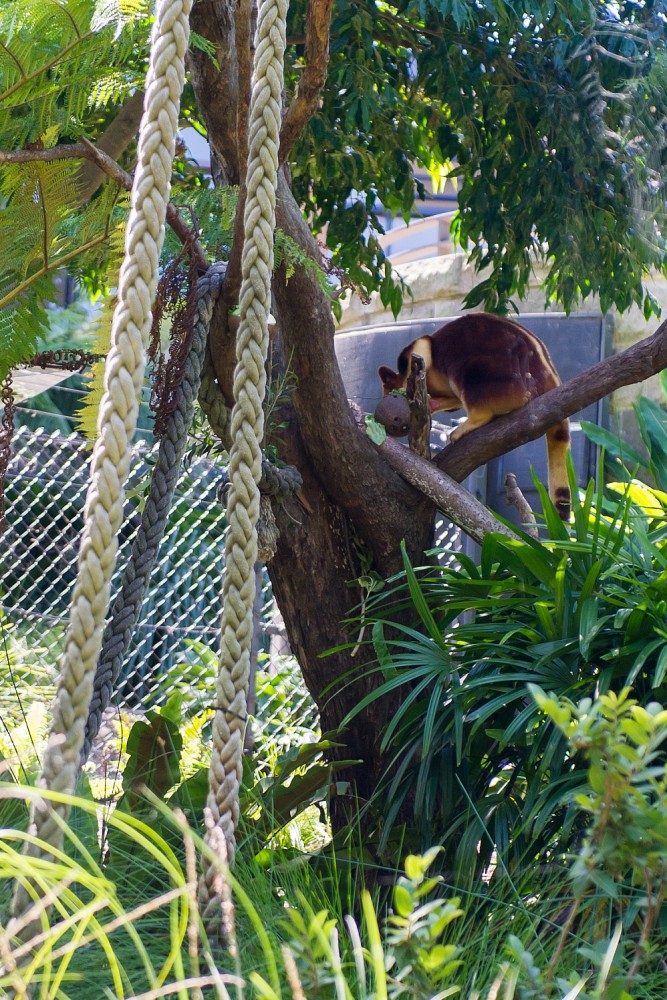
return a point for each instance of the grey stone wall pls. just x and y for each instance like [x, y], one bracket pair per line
[439, 285]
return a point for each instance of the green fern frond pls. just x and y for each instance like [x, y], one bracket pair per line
[23, 326]
[98, 230]
[119, 13]
[37, 220]
[286, 251]
[108, 90]
[198, 41]
[85, 418]
[100, 328]
[214, 210]
[37, 196]
[79, 44]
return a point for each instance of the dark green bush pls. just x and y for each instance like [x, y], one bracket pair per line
[472, 761]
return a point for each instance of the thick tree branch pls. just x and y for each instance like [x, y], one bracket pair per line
[107, 166]
[72, 151]
[302, 108]
[344, 459]
[114, 141]
[637, 363]
[449, 496]
[220, 91]
[244, 47]
[216, 84]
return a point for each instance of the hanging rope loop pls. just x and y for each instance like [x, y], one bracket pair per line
[124, 374]
[247, 431]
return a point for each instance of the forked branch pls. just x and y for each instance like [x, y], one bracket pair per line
[85, 150]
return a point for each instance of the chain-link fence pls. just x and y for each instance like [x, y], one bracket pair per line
[175, 642]
[174, 646]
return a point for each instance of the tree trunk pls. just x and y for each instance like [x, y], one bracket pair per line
[355, 509]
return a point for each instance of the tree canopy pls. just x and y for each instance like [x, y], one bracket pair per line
[551, 119]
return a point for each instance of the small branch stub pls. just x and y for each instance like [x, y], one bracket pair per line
[419, 434]
[515, 498]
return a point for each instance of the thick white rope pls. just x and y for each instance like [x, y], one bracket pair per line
[124, 374]
[125, 610]
[247, 431]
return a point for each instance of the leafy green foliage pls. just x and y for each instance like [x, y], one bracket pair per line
[282, 940]
[469, 755]
[39, 214]
[91, 941]
[626, 797]
[154, 746]
[624, 461]
[89, 55]
[281, 780]
[272, 798]
[547, 116]
[624, 850]
[126, 914]
[407, 957]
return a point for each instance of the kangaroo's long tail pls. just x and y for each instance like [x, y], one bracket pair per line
[558, 445]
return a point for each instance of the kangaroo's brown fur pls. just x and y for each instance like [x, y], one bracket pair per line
[489, 366]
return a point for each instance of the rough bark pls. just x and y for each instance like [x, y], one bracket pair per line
[318, 19]
[456, 503]
[355, 508]
[359, 510]
[216, 88]
[223, 106]
[419, 434]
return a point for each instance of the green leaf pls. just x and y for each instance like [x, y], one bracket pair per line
[588, 614]
[415, 868]
[660, 667]
[154, 749]
[653, 425]
[640, 660]
[419, 600]
[402, 901]
[375, 430]
[612, 443]
[604, 882]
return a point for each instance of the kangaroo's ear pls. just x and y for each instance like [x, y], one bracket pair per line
[389, 378]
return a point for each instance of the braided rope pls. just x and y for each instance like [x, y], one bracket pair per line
[213, 403]
[126, 607]
[124, 374]
[247, 429]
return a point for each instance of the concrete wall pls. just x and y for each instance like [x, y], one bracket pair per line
[439, 285]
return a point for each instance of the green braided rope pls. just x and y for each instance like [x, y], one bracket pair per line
[247, 429]
[275, 482]
[124, 373]
[136, 576]
[213, 403]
